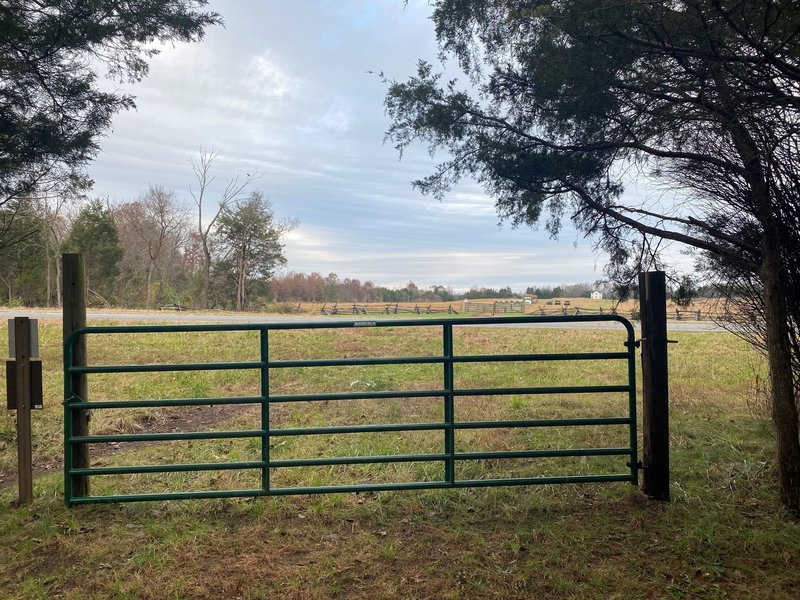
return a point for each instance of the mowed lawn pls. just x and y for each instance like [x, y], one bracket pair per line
[723, 535]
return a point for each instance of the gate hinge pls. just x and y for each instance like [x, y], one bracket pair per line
[636, 343]
[639, 465]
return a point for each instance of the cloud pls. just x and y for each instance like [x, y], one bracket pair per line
[266, 78]
[285, 90]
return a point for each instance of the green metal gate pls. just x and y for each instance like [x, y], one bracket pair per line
[449, 426]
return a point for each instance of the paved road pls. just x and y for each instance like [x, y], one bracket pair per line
[211, 317]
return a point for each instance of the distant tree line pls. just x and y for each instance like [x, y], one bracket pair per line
[146, 252]
[314, 287]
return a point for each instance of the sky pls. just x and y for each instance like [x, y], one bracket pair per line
[289, 90]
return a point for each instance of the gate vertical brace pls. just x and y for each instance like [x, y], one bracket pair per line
[449, 409]
[634, 434]
[264, 344]
[76, 422]
[655, 384]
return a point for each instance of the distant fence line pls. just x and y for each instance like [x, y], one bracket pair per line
[676, 315]
[386, 309]
[501, 308]
[495, 308]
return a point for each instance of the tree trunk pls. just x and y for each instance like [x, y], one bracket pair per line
[48, 259]
[784, 407]
[241, 300]
[59, 297]
[206, 276]
[150, 285]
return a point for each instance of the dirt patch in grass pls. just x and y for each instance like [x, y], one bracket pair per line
[195, 418]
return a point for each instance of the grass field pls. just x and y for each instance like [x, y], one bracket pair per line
[723, 536]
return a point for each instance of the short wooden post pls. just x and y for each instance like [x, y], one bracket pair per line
[22, 366]
[655, 385]
[74, 316]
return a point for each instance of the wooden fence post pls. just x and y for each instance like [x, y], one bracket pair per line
[655, 385]
[22, 366]
[74, 316]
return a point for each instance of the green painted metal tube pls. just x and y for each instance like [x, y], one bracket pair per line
[166, 437]
[363, 487]
[413, 360]
[329, 324]
[373, 487]
[542, 423]
[373, 428]
[545, 480]
[449, 407]
[204, 495]
[356, 460]
[174, 468]
[460, 483]
[350, 362]
[263, 338]
[355, 396]
[585, 389]
[634, 461]
[231, 366]
[578, 389]
[557, 453]
[167, 402]
[481, 358]
[68, 450]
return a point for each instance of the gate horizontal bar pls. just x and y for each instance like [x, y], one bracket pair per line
[542, 423]
[369, 487]
[459, 483]
[586, 389]
[166, 368]
[565, 452]
[400, 360]
[355, 460]
[204, 495]
[329, 324]
[155, 368]
[175, 468]
[348, 362]
[165, 402]
[373, 428]
[355, 396]
[580, 389]
[165, 437]
[391, 458]
[539, 357]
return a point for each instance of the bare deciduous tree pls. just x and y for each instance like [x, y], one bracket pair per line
[232, 191]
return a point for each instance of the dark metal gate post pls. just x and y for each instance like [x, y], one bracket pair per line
[655, 384]
[74, 316]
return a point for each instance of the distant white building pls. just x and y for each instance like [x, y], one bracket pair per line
[597, 295]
